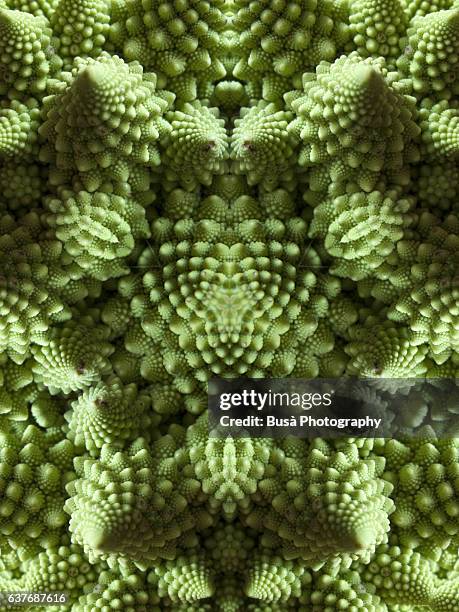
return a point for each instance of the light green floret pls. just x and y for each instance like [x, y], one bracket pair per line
[186, 579]
[439, 125]
[446, 596]
[229, 547]
[437, 186]
[30, 280]
[25, 60]
[448, 369]
[181, 204]
[80, 28]
[429, 300]
[385, 351]
[229, 293]
[180, 41]
[343, 314]
[34, 471]
[405, 579]
[306, 357]
[261, 146]
[103, 128]
[279, 204]
[134, 505]
[73, 357]
[324, 505]
[333, 364]
[62, 567]
[419, 8]
[378, 27]
[272, 579]
[229, 96]
[17, 390]
[229, 203]
[39, 8]
[285, 39]
[98, 230]
[425, 476]
[229, 469]
[431, 58]
[21, 186]
[356, 130]
[196, 148]
[346, 591]
[18, 130]
[127, 591]
[108, 413]
[360, 230]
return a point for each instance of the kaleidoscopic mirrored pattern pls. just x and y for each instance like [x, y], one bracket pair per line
[191, 188]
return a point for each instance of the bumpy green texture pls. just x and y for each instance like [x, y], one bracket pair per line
[79, 29]
[341, 498]
[278, 41]
[378, 28]
[18, 135]
[200, 188]
[91, 146]
[179, 41]
[98, 230]
[196, 147]
[74, 357]
[32, 274]
[262, 147]
[35, 470]
[360, 230]
[133, 505]
[27, 60]
[430, 59]
[356, 127]
[109, 412]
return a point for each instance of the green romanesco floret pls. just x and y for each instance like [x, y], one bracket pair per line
[179, 41]
[109, 412]
[80, 29]
[419, 8]
[357, 131]
[197, 145]
[360, 230]
[18, 130]
[74, 357]
[261, 145]
[431, 57]
[98, 230]
[31, 276]
[378, 27]
[341, 498]
[385, 351]
[429, 297]
[135, 504]
[25, 62]
[35, 470]
[286, 39]
[90, 147]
